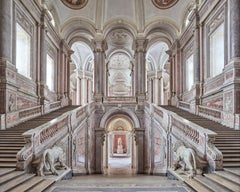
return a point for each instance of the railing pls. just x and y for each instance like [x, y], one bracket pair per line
[193, 135]
[45, 136]
[210, 113]
[124, 99]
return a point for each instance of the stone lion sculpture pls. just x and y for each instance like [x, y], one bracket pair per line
[49, 160]
[185, 159]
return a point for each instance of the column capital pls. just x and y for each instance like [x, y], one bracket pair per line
[140, 44]
[99, 44]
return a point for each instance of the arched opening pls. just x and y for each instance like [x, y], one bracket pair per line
[158, 73]
[119, 148]
[81, 74]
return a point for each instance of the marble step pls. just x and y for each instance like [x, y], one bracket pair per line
[231, 164]
[232, 155]
[4, 155]
[210, 185]
[196, 185]
[231, 159]
[4, 171]
[16, 182]
[8, 159]
[8, 165]
[45, 184]
[235, 171]
[28, 185]
[10, 151]
[229, 147]
[227, 144]
[229, 176]
[12, 175]
[12, 144]
[6, 148]
[223, 182]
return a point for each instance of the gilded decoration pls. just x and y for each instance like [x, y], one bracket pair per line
[164, 4]
[75, 4]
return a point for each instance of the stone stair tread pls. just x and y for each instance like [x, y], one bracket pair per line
[224, 182]
[210, 185]
[7, 155]
[231, 164]
[12, 175]
[17, 181]
[229, 176]
[8, 165]
[4, 171]
[28, 184]
[235, 170]
[231, 159]
[11, 147]
[42, 186]
[8, 159]
[195, 185]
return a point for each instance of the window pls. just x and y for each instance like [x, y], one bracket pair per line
[217, 51]
[189, 73]
[50, 73]
[23, 44]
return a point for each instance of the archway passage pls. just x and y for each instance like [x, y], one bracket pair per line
[119, 147]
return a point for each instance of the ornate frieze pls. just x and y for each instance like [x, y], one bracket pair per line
[164, 4]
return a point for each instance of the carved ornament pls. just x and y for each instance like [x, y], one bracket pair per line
[164, 4]
[75, 4]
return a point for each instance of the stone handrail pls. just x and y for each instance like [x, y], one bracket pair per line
[196, 137]
[210, 113]
[44, 137]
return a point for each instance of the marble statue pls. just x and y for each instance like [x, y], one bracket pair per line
[120, 146]
[49, 160]
[185, 159]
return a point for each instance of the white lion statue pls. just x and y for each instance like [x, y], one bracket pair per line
[185, 159]
[49, 160]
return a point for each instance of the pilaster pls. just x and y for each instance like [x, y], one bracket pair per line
[231, 90]
[140, 70]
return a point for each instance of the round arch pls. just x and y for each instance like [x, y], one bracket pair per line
[115, 111]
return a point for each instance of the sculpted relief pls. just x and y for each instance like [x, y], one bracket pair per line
[75, 4]
[164, 4]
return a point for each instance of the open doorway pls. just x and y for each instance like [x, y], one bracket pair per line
[119, 147]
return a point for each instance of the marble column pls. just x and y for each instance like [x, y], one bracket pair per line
[196, 58]
[139, 138]
[6, 30]
[99, 141]
[99, 68]
[140, 69]
[234, 28]
[78, 92]
[42, 56]
[5, 58]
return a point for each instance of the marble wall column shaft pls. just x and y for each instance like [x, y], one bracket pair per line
[78, 92]
[6, 29]
[234, 27]
[139, 137]
[140, 69]
[99, 69]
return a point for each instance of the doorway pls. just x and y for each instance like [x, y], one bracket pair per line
[119, 150]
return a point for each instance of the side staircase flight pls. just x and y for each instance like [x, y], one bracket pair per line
[228, 142]
[12, 141]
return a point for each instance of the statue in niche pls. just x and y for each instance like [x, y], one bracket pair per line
[185, 160]
[11, 103]
[120, 146]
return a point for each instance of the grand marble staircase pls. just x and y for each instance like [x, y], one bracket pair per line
[228, 142]
[12, 141]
